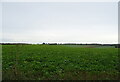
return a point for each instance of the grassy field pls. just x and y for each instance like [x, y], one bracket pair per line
[59, 62]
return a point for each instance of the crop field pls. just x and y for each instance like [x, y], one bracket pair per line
[59, 62]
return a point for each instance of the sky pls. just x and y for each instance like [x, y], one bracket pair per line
[0, 22]
[61, 22]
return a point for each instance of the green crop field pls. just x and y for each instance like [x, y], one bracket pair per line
[59, 62]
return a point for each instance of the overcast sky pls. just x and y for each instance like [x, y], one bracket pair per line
[81, 22]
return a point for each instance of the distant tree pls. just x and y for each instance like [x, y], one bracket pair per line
[117, 46]
[43, 43]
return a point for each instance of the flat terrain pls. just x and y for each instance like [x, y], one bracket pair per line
[59, 62]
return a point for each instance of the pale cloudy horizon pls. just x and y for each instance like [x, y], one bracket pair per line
[75, 22]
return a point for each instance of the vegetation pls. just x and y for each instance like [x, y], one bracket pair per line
[59, 62]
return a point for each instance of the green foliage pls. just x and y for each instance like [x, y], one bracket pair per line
[40, 62]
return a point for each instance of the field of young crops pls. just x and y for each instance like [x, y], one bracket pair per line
[59, 62]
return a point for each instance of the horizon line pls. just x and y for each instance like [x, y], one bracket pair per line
[53, 43]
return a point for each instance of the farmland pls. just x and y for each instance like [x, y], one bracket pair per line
[59, 62]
